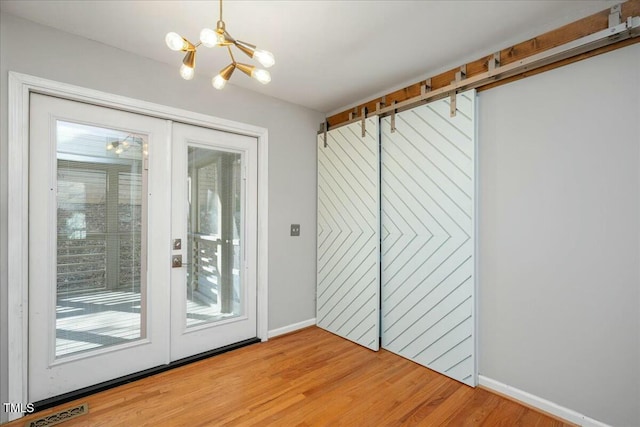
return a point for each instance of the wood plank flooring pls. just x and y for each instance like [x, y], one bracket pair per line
[307, 378]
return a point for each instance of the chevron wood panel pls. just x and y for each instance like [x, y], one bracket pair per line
[348, 281]
[427, 271]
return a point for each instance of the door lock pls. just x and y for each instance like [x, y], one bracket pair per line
[177, 244]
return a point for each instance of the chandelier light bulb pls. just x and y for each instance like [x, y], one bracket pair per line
[175, 41]
[264, 57]
[219, 82]
[210, 38]
[186, 72]
[261, 75]
[119, 150]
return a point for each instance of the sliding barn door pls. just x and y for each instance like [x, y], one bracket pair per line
[348, 288]
[427, 275]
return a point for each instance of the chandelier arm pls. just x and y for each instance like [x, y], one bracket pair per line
[188, 46]
[247, 69]
[190, 59]
[233, 60]
[245, 47]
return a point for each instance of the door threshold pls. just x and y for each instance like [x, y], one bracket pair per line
[97, 388]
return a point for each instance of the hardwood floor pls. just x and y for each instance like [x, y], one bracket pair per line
[306, 378]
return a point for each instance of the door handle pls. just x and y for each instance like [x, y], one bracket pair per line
[176, 261]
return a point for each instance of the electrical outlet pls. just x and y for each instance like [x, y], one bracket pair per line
[295, 229]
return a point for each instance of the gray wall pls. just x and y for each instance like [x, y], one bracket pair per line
[29, 48]
[559, 253]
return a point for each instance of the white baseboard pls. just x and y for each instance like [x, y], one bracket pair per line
[290, 328]
[539, 403]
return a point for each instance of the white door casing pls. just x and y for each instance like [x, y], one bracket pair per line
[348, 298]
[428, 244]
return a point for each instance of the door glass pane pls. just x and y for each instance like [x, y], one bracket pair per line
[214, 236]
[99, 237]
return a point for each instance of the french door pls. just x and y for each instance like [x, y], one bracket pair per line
[214, 231]
[110, 193]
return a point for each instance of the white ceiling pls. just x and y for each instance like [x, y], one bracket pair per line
[330, 55]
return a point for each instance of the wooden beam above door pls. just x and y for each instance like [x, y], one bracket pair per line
[521, 51]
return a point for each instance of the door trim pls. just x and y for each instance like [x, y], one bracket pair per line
[20, 86]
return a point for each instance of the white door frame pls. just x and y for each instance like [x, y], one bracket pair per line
[20, 86]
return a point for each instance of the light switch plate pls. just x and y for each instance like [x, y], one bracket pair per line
[295, 229]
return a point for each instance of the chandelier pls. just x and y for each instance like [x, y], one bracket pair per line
[120, 145]
[221, 38]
